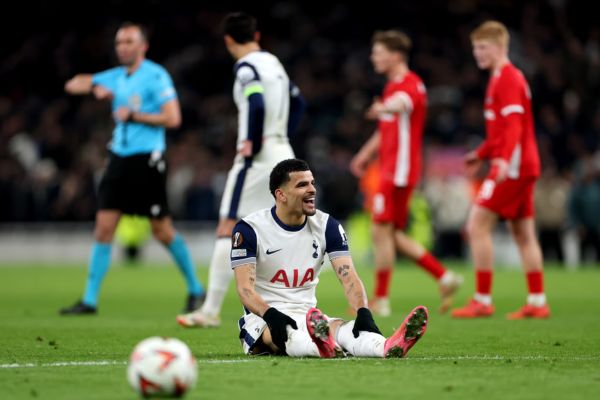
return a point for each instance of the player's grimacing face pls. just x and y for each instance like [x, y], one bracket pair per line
[485, 52]
[129, 45]
[381, 58]
[301, 192]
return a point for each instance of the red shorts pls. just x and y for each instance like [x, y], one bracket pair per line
[390, 204]
[510, 199]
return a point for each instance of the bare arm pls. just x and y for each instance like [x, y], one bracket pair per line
[245, 278]
[169, 115]
[353, 286]
[472, 163]
[80, 84]
[366, 153]
[398, 103]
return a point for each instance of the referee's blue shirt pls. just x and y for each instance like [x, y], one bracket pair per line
[146, 90]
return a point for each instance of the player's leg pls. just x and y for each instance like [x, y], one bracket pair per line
[255, 336]
[256, 339]
[313, 338]
[220, 275]
[405, 245]
[113, 195]
[148, 196]
[480, 224]
[369, 344]
[106, 224]
[246, 191]
[164, 232]
[448, 281]
[385, 254]
[384, 248]
[300, 344]
[523, 232]
[219, 272]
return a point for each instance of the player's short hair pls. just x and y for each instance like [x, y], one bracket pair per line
[142, 28]
[240, 26]
[393, 40]
[280, 175]
[494, 31]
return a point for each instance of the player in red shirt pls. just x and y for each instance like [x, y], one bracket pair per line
[507, 191]
[401, 116]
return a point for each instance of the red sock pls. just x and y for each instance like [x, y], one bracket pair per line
[382, 282]
[430, 264]
[484, 281]
[535, 282]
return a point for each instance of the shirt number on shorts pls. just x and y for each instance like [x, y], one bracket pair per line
[487, 189]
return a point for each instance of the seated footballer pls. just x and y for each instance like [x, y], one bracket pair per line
[277, 255]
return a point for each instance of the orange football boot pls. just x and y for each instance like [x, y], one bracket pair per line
[530, 311]
[473, 309]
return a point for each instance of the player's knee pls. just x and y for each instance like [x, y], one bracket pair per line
[469, 229]
[474, 229]
[382, 231]
[104, 233]
[335, 324]
[163, 233]
[522, 237]
[225, 227]
[266, 341]
[475, 232]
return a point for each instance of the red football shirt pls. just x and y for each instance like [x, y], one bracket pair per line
[509, 123]
[401, 133]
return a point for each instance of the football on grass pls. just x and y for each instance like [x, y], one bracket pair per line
[162, 367]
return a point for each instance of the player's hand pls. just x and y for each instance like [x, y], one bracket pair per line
[246, 149]
[358, 165]
[499, 170]
[102, 93]
[472, 164]
[277, 322]
[375, 110]
[122, 114]
[364, 322]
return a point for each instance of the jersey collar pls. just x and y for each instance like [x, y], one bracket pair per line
[290, 228]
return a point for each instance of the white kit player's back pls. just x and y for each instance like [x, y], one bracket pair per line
[261, 70]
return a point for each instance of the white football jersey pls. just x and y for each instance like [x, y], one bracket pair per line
[288, 258]
[261, 72]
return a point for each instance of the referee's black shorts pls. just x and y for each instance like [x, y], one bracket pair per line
[135, 185]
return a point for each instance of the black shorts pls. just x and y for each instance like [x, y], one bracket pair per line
[135, 185]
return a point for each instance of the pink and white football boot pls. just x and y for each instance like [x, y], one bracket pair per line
[412, 329]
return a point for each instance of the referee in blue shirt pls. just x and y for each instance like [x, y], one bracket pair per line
[144, 103]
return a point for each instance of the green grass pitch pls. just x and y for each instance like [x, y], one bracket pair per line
[45, 356]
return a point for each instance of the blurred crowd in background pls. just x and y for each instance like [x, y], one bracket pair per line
[53, 147]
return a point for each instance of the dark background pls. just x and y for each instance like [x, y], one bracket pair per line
[53, 147]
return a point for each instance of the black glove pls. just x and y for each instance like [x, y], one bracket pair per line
[277, 321]
[364, 322]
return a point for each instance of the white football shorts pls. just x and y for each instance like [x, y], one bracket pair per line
[247, 186]
[252, 327]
